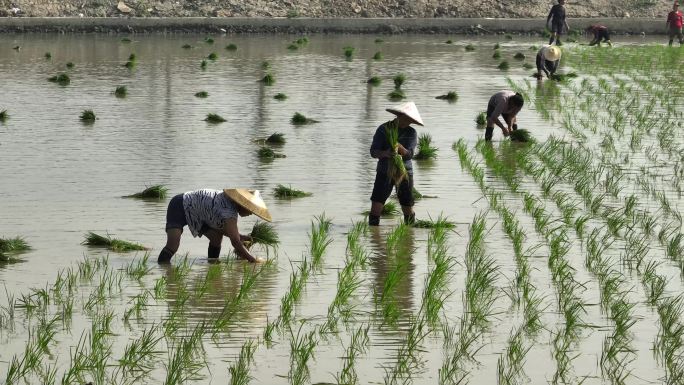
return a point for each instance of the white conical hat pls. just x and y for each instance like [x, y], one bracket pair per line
[551, 53]
[250, 200]
[409, 109]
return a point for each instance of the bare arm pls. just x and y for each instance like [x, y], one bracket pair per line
[230, 230]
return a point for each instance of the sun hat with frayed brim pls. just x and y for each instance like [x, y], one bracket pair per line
[250, 200]
[408, 109]
[552, 53]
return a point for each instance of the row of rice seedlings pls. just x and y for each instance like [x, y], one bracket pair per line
[214, 118]
[158, 191]
[409, 362]
[385, 296]
[137, 360]
[116, 245]
[233, 304]
[285, 192]
[239, 371]
[302, 347]
[357, 346]
[389, 209]
[186, 358]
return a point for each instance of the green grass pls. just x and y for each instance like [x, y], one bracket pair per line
[280, 96]
[299, 119]
[158, 191]
[497, 46]
[276, 138]
[125, 40]
[374, 81]
[268, 153]
[202, 94]
[214, 118]
[521, 135]
[377, 56]
[425, 149]
[449, 41]
[4, 115]
[450, 96]
[481, 118]
[121, 92]
[61, 79]
[285, 192]
[231, 47]
[132, 57]
[399, 80]
[88, 116]
[116, 245]
[268, 79]
[264, 233]
[293, 47]
[563, 77]
[129, 64]
[396, 95]
[528, 66]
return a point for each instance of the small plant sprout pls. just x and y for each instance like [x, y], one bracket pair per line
[268, 153]
[280, 96]
[158, 191]
[214, 118]
[264, 233]
[299, 119]
[389, 209]
[504, 66]
[396, 95]
[121, 92]
[48, 56]
[203, 64]
[61, 79]
[4, 115]
[88, 116]
[231, 47]
[450, 96]
[496, 54]
[348, 52]
[212, 56]
[116, 245]
[519, 56]
[374, 81]
[186, 46]
[449, 41]
[285, 192]
[202, 94]
[470, 48]
[497, 46]
[425, 149]
[276, 138]
[377, 56]
[293, 47]
[209, 40]
[132, 57]
[70, 65]
[268, 79]
[399, 80]
[265, 65]
[521, 135]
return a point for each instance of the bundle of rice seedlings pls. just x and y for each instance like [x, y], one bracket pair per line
[425, 149]
[377, 56]
[519, 56]
[48, 56]
[299, 119]
[265, 65]
[504, 66]
[212, 56]
[521, 135]
[470, 48]
[451, 96]
[16, 47]
[497, 46]
[158, 191]
[214, 118]
[132, 57]
[399, 80]
[449, 41]
[293, 47]
[563, 77]
[88, 116]
[264, 233]
[396, 95]
[396, 169]
[202, 94]
[285, 192]
[497, 54]
[430, 224]
[13, 245]
[389, 209]
[276, 138]
[528, 66]
[4, 115]
[129, 64]
[61, 79]
[302, 40]
[268, 153]
[186, 46]
[378, 40]
[231, 47]
[280, 96]
[121, 92]
[348, 52]
[481, 118]
[374, 81]
[203, 64]
[209, 40]
[69, 65]
[117, 245]
[268, 79]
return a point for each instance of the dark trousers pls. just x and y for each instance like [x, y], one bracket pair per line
[383, 186]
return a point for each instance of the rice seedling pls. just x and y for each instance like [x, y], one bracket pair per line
[282, 191]
[239, 371]
[263, 233]
[504, 66]
[125, 40]
[449, 41]
[521, 135]
[320, 239]
[116, 245]
[231, 47]
[212, 56]
[186, 46]
[481, 118]
[88, 116]
[389, 209]
[61, 79]
[11, 246]
[139, 355]
[301, 351]
[374, 81]
[348, 52]
[563, 77]
[209, 40]
[132, 57]
[276, 138]
[399, 80]
[508, 36]
[425, 149]
[396, 95]
[440, 223]
[302, 40]
[121, 92]
[379, 40]
[293, 47]
[202, 94]
[158, 191]
[186, 359]
[268, 153]
[470, 48]
[268, 79]
[450, 96]
[496, 54]
[299, 119]
[203, 64]
[358, 345]
[519, 56]
[130, 64]
[214, 118]
[4, 115]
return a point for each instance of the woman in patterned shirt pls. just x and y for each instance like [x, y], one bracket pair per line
[214, 214]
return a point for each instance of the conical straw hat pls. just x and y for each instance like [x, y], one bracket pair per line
[409, 109]
[552, 53]
[250, 200]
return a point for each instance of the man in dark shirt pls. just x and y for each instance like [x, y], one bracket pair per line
[601, 34]
[558, 22]
[406, 113]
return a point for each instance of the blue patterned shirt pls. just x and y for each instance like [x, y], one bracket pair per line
[207, 208]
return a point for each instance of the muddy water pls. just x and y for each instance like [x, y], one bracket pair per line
[60, 178]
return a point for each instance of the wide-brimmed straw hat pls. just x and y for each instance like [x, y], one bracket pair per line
[551, 53]
[250, 200]
[408, 109]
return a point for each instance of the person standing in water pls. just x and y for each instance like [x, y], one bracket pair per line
[406, 114]
[548, 60]
[674, 24]
[506, 104]
[214, 214]
[556, 22]
[601, 34]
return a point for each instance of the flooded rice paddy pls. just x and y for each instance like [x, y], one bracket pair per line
[565, 264]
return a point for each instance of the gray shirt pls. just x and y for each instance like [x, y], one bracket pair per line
[207, 208]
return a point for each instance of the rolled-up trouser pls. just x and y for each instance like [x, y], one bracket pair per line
[383, 186]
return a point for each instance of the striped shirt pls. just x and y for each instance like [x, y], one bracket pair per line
[207, 208]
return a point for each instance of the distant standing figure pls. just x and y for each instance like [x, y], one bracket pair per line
[558, 22]
[548, 60]
[601, 34]
[506, 104]
[674, 24]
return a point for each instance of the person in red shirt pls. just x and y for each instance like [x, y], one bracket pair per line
[601, 34]
[674, 24]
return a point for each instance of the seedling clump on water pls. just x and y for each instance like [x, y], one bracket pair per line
[158, 191]
[374, 81]
[377, 56]
[481, 118]
[212, 56]
[267, 153]
[4, 115]
[280, 96]
[214, 118]
[268, 80]
[88, 116]
[276, 138]
[61, 79]
[299, 119]
[202, 94]
[504, 66]
[121, 92]
[69, 65]
[521, 135]
[396, 95]
[425, 149]
[450, 96]
[12, 246]
[470, 48]
[117, 245]
[348, 52]
[399, 80]
[203, 64]
[497, 54]
[231, 47]
[282, 191]
[519, 56]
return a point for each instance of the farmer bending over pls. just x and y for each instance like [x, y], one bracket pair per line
[601, 34]
[506, 104]
[558, 22]
[674, 24]
[214, 214]
[548, 60]
[380, 149]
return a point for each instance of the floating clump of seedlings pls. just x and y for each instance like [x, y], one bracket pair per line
[470, 48]
[268, 79]
[209, 40]
[130, 64]
[534, 48]
[231, 47]
[440, 223]
[4, 115]
[116, 245]
[528, 66]
[285, 192]
[299, 119]
[449, 41]
[374, 81]
[399, 80]
[378, 40]
[12, 246]
[425, 149]
[61, 79]
[132, 57]
[265, 65]
[203, 64]
[212, 56]
[280, 96]
[563, 77]
[202, 94]
[125, 40]
[88, 116]
[264, 233]
[268, 153]
[396, 95]
[302, 40]
[158, 191]
[293, 47]
[276, 138]
[496, 54]
[521, 135]
[504, 66]
[450, 96]
[497, 46]
[69, 65]
[214, 118]
[481, 118]
[48, 56]
[519, 56]
[377, 56]
[508, 36]
[186, 46]
[348, 52]
[121, 92]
